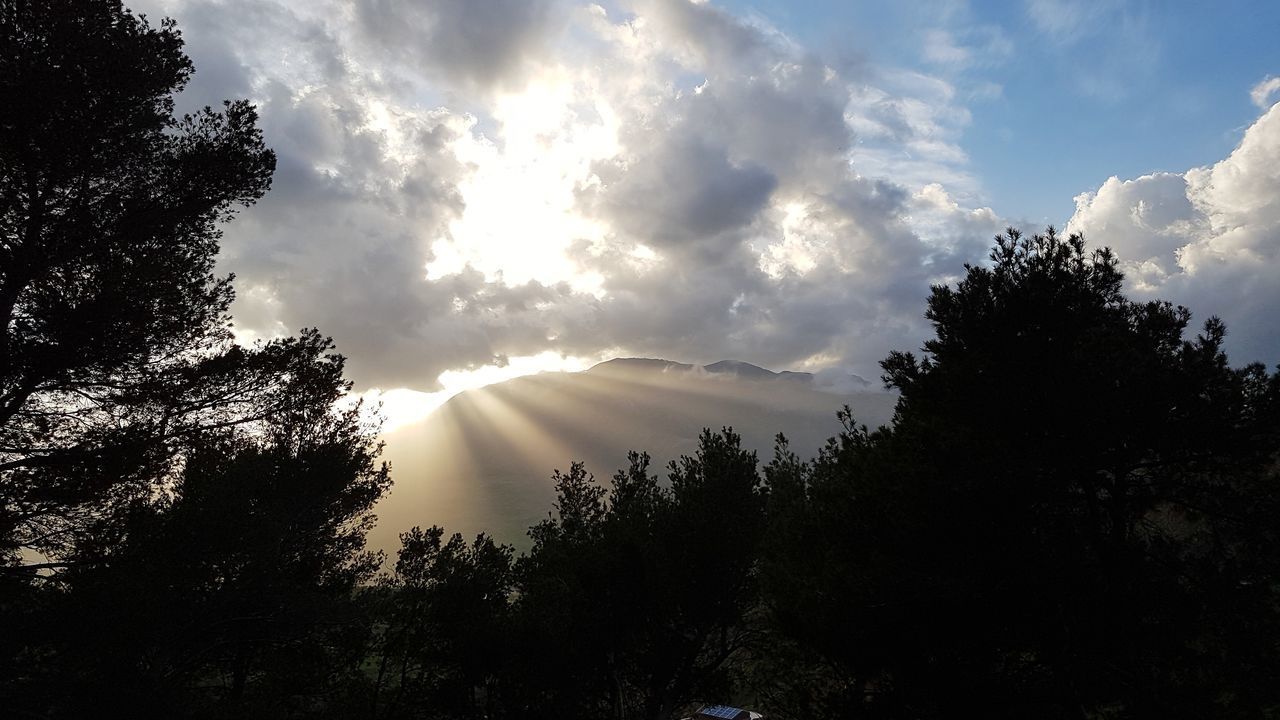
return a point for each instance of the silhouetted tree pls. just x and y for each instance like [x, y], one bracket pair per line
[442, 644]
[200, 507]
[633, 600]
[113, 329]
[1070, 515]
[232, 596]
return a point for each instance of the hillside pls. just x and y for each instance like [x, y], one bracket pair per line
[483, 460]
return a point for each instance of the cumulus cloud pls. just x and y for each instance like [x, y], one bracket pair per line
[461, 183]
[773, 243]
[1208, 238]
[1146, 220]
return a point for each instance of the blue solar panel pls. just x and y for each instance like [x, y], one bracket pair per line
[720, 711]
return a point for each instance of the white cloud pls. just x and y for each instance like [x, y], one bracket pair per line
[1146, 220]
[1067, 20]
[1262, 93]
[1208, 238]
[941, 47]
[966, 45]
[401, 406]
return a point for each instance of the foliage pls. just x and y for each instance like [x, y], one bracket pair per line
[233, 597]
[113, 330]
[182, 519]
[441, 648]
[1070, 501]
[633, 601]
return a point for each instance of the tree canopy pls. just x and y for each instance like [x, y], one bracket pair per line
[182, 518]
[113, 328]
[1070, 500]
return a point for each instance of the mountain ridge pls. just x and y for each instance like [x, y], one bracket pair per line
[738, 368]
[483, 460]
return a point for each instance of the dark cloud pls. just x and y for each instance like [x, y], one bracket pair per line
[485, 42]
[679, 192]
[705, 36]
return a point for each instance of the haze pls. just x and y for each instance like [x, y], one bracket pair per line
[483, 462]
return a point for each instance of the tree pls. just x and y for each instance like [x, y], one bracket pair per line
[114, 334]
[1070, 503]
[200, 506]
[441, 649]
[234, 594]
[633, 601]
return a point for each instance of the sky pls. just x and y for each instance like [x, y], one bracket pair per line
[470, 190]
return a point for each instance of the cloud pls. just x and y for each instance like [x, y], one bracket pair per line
[908, 128]
[966, 46]
[485, 42]
[685, 192]
[1146, 220]
[1065, 20]
[1262, 93]
[1208, 238]
[663, 179]
[771, 242]
[941, 47]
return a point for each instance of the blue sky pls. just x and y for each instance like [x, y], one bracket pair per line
[1120, 88]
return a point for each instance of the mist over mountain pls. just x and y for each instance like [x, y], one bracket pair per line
[483, 461]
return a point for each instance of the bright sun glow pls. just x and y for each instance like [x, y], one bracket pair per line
[520, 216]
[801, 239]
[402, 406]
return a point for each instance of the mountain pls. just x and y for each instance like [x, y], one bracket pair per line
[745, 370]
[483, 460]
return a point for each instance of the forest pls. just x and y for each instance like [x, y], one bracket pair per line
[1073, 513]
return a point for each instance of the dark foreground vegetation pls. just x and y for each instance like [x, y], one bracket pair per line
[1072, 515]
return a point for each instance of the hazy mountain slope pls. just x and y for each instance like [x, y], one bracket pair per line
[483, 460]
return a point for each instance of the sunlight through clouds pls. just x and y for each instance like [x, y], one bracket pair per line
[402, 406]
[648, 178]
[520, 215]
